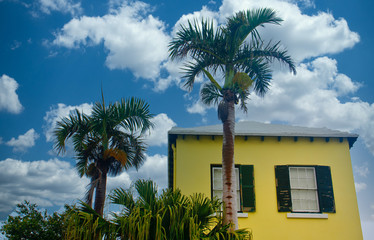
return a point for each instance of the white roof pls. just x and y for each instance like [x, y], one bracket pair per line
[250, 128]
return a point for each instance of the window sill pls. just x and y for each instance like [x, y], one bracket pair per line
[308, 215]
[242, 215]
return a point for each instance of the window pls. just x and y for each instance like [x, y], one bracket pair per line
[303, 185]
[244, 184]
[304, 189]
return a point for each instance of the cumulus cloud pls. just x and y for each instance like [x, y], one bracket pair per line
[23, 142]
[8, 97]
[360, 186]
[54, 182]
[305, 36]
[134, 39]
[362, 171]
[154, 168]
[158, 136]
[65, 6]
[197, 107]
[46, 183]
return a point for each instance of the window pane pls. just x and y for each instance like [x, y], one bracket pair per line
[217, 179]
[304, 200]
[218, 185]
[303, 189]
[217, 193]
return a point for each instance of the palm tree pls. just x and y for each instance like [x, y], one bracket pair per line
[106, 142]
[237, 51]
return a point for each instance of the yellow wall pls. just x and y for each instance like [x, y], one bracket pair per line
[193, 158]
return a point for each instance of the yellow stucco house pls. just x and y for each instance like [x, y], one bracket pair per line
[293, 182]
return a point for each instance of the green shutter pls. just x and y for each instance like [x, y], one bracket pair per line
[325, 190]
[283, 189]
[247, 188]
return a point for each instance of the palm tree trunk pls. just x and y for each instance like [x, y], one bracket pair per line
[228, 166]
[100, 193]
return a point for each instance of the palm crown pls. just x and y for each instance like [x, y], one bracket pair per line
[107, 141]
[245, 62]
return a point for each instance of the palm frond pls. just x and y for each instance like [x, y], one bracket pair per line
[193, 69]
[123, 197]
[210, 94]
[66, 128]
[260, 72]
[273, 52]
[147, 191]
[133, 114]
[195, 40]
[245, 23]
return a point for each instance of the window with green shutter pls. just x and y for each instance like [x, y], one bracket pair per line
[247, 188]
[245, 185]
[304, 189]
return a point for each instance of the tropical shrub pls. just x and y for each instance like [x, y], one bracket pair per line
[149, 215]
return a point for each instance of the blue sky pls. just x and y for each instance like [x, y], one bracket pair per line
[56, 54]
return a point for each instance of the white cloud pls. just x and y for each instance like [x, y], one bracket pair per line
[197, 107]
[158, 136]
[123, 180]
[360, 186]
[362, 171]
[305, 36]
[204, 13]
[64, 6]
[135, 39]
[8, 97]
[56, 113]
[24, 141]
[154, 168]
[46, 183]
[54, 182]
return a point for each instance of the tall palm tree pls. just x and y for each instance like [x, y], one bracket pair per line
[106, 142]
[238, 51]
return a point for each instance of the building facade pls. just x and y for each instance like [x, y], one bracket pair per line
[293, 182]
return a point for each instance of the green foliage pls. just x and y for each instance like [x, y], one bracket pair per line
[169, 215]
[106, 142]
[32, 224]
[233, 48]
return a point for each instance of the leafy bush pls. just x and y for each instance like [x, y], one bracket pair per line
[170, 215]
[32, 224]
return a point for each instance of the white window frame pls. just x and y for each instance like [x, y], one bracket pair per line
[315, 189]
[238, 188]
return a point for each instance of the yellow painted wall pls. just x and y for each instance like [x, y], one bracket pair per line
[193, 158]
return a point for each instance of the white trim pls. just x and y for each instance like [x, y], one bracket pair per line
[307, 215]
[240, 214]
